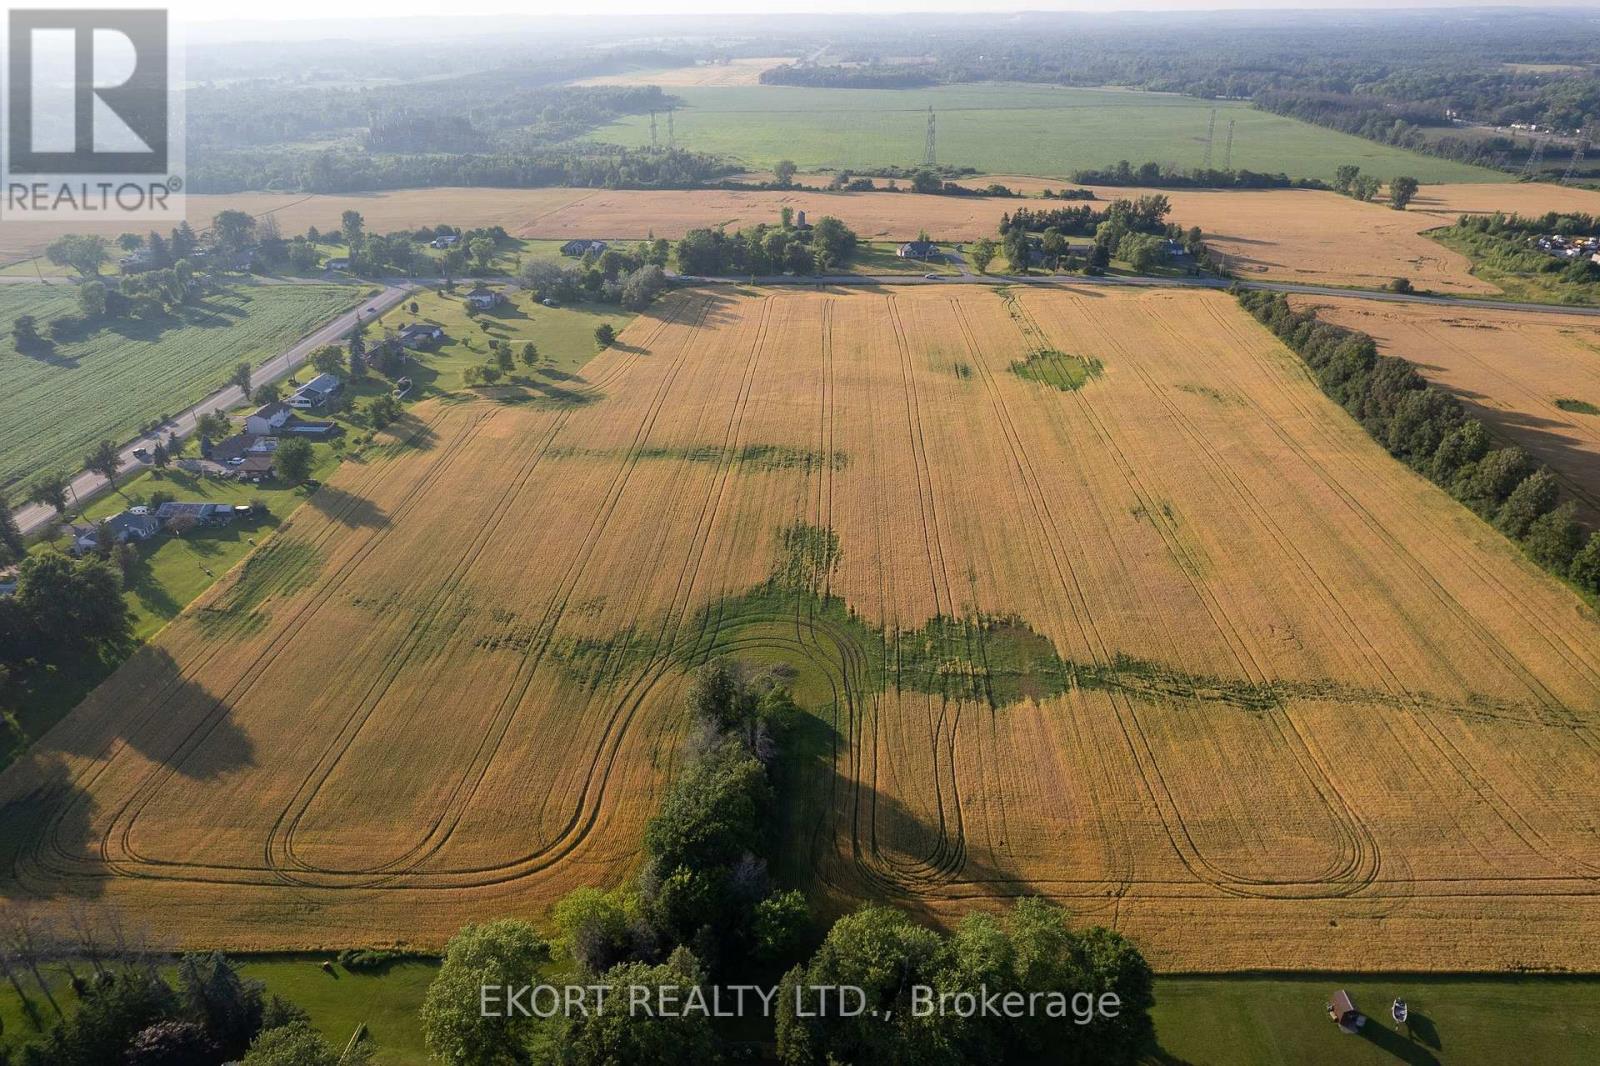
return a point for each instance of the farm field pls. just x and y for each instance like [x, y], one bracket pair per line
[56, 404]
[1047, 131]
[1090, 594]
[1533, 379]
[745, 71]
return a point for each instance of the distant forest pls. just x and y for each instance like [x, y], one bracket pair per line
[350, 115]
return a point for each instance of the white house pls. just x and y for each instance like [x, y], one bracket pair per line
[266, 421]
[483, 298]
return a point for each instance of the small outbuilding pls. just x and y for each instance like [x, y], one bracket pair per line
[1344, 1012]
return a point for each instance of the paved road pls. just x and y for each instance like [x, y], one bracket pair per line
[86, 485]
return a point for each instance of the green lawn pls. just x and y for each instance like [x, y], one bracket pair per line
[58, 402]
[386, 1002]
[1222, 1021]
[1039, 130]
[563, 335]
[1200, 1021]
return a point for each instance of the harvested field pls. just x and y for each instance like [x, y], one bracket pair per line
[1533, 379]
[1175, 643]
[733, 72]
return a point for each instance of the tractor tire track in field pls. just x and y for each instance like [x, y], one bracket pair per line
[1353, 873]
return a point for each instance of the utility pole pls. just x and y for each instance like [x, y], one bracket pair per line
[930, 154]
[1577, 157]
[1535, 157]
[1211, 136]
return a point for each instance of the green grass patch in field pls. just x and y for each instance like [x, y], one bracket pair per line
[1039, 130]
[1577, 407]
[1057, 369]
[58, 401]
[1520, 272]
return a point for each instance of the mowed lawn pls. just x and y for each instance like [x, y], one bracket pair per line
[1247, 1021]
[1036, 130]
[57, 403]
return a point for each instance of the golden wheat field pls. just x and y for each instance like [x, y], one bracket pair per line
[1091, 593]
[1533, 378]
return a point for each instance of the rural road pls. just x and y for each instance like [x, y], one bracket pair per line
[87, 485]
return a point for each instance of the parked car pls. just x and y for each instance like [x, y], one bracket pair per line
[237, 460]
[142, 454]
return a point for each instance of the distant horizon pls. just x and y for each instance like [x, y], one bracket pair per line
[200, 12]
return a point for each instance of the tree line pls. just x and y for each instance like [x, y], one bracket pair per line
[766, 249]
[1430, 431]
[1155, 175]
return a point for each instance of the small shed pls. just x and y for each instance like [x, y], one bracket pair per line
[1344, 1012]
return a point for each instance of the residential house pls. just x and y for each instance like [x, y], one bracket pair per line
[265, 421]
[339, 262]
[445, 240]
[421, 335]
[243, 444]
[484, 298]
[256, 467]
[580, 248]
[199, 514]
[919, 250]
[322, 387]
[136, 523]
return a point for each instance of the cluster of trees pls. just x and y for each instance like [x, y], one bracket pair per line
[765, 249]
[1349, 181]
[704, 910]
[1134, 231]
[1169, 176]
[1429, 430]
[63, 610]
[1030, 954]
[854, 76]
[126, 1011]
[163, 280]
[339, 170]
[1147, 214]
[1506, 242]
[632, 278]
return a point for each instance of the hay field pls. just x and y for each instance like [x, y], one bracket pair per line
[1534, 379]
[1166, 637]
[734, 72]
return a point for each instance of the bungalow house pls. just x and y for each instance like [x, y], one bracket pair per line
[339, 262]
[420, 335]
[322, 387]
[265, 421]
[256, 467]
[580, 248]
[136, 523]
[242, 444]
[444, 240]
[918, 250]
[484, 298]
[199, 514]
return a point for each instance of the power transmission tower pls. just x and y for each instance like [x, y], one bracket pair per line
[653, 145]
[671, 141]
[1535, 157]
[930, 154]
[1577, 157]
[1227, 151]
[1211, 136]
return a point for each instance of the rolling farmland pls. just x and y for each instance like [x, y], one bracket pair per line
[57, 403]
[1533, 379]
[1091, 593]
[1043, 130]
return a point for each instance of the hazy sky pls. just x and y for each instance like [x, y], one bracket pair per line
[285, 10]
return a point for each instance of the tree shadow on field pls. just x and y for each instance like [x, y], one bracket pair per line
[51, 819]
[852, 841]
[169, 718]
[347, 508]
